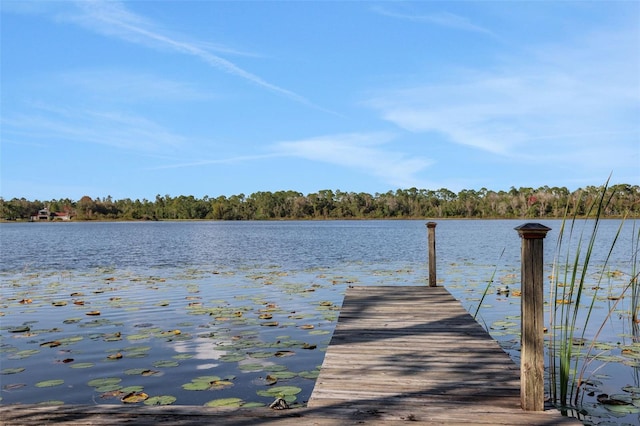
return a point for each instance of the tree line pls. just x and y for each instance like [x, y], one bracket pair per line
[523, 202]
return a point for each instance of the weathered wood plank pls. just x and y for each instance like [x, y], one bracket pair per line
[414, 353]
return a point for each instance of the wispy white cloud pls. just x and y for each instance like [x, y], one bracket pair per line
[113, 19]
[580, 102]
[208, 162]
[116, 129]
[442, 19]
[363, 151]
[119, 85]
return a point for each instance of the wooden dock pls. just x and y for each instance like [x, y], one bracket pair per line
[398, 354]
[414, 353]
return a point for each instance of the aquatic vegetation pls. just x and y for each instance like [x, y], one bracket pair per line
[574, 301]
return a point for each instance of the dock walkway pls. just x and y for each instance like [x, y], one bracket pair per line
[398, 354]
[414, 353]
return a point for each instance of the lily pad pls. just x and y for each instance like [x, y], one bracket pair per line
[224, 402]
[281, 391]
[24, 354]
[49, 383]
[52, 402]
[309, 374]
[134, 397]
[160, 400]
[166, 364]
[107, 381]
[82, 365]
[12, 370]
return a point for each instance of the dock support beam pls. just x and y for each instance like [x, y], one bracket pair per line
[532, 345]
[431, 230]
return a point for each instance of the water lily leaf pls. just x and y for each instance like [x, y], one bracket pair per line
[265, 316]
[12, 370]
[269, 324]
[281, 354]
[93, 313]
[284, 374]
[24, 354]
[283, 390]
[165, 364]
[196, 386]
[622, 410]
[20, 329]
[14, 386]
[307, 326]
[319, 332]
[70, 340]
[251, 367]
[49, 383]
[82, 365]
[225, 402]
[138, 336]
[220, 384]
[232, 357]
[261, 354]
[134, 397]
[160, 400]
[59, 303]
[52, 402]
[309, 346]
[270, 380]
[253, 405]
[115, 356]
[309, 374]
[130, 389]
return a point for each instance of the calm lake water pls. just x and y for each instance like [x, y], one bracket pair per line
[239, 305]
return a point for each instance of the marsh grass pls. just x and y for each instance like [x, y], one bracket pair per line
[571, 306]
[488, 287]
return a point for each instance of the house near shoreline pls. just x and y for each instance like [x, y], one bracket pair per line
[46, 215]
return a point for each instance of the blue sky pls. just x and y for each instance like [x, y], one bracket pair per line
[134, 99]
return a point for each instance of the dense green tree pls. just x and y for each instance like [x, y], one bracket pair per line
[544, 202]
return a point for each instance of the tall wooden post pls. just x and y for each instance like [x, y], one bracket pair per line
[532, 345]
[431, 230]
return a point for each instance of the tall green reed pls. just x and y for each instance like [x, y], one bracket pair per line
[488, 286]
[568, 298]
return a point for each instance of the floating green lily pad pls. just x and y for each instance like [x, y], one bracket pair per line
[166, 364]
[82, 365]
[12, 370]
[224, 402]
[280, 391]
[251, 367]
[160, 400]
[284, 374]
[622, 410]
[53, 402]
[309, 374]
[182, 356]
[24, 354]
[49, 383]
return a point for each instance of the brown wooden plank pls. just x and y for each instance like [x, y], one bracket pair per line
[415, 353]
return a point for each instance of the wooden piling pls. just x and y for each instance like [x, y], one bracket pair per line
[532, 345]
[431, 230]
